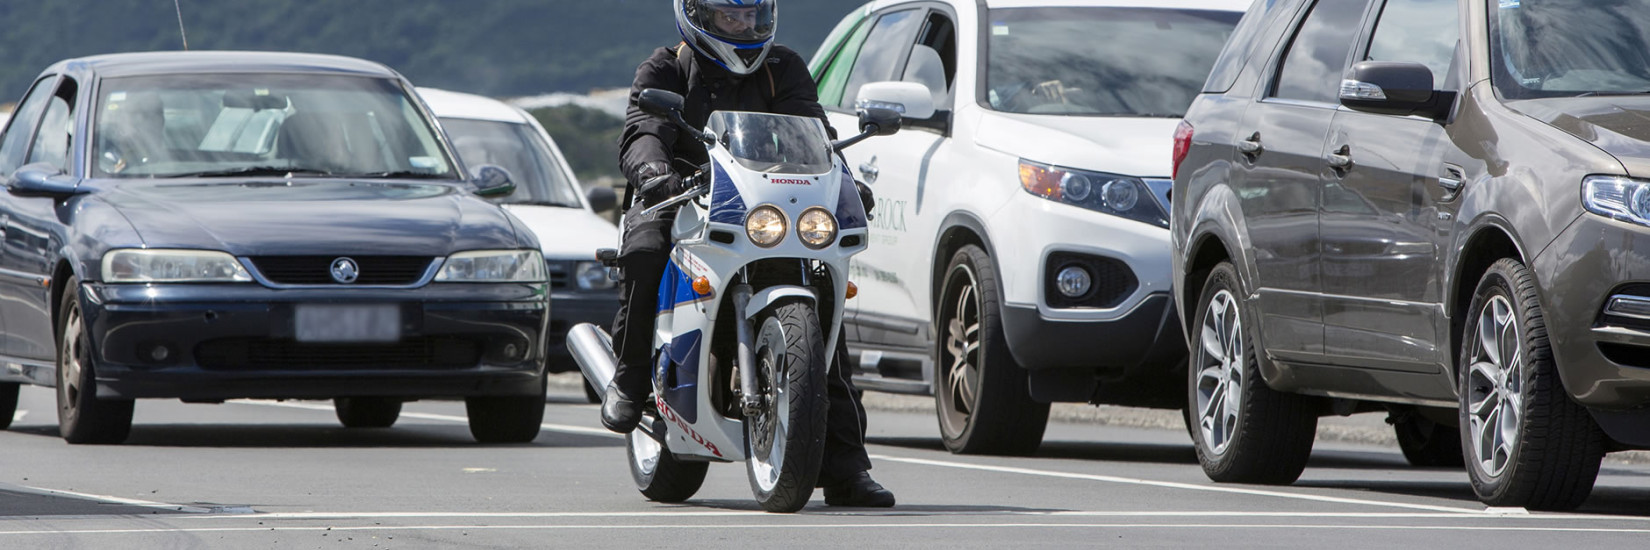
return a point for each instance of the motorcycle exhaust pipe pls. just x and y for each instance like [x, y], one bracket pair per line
[592, 349]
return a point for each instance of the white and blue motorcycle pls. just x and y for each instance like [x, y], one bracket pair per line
[749, 305]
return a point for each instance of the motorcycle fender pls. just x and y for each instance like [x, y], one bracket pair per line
[773, 294]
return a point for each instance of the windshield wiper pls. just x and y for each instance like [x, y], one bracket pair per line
[251, 171]
[542, 203]
[396, 174]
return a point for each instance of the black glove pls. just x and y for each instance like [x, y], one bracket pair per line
[867, 198]
[655, 182]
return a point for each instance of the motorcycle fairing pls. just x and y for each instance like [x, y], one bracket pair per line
[726, 204]
[678, 374]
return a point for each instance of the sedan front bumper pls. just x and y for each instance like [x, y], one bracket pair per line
[213, 342]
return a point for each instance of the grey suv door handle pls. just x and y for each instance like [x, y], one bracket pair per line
[868, 170]
[1251, 146]
[1341, 159]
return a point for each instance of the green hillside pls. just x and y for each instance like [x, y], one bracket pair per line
[492, 47]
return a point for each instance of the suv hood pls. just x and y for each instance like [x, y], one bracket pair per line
[298, 217]
[1620, 125]
[1141, 147]
[567, 233]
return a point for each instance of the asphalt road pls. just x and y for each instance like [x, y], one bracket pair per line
[285, 475]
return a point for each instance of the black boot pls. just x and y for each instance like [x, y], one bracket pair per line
[620, 413]
[861, 491]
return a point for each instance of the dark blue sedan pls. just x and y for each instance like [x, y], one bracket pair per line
[216, 225]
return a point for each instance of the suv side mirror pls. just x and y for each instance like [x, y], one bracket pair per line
[1394, 88]
[602, 198]
[911, 100]
[660, 103]
[492, 181]
[41, 180]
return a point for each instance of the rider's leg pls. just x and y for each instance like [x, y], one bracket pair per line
[844, 473]
[642, 262]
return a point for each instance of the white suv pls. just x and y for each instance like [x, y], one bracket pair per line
[1020, 240]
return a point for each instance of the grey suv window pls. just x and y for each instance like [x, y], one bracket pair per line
[1417, 31]
[1312, 66]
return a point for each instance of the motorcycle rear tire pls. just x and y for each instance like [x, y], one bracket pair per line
[659, 475]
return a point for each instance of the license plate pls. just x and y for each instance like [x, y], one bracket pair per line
[348, 323]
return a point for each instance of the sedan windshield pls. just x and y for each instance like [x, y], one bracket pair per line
[1097, 61]
[217, 125]
[1557, 48]
[518, 148]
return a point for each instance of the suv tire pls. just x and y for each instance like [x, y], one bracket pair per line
[981, 396]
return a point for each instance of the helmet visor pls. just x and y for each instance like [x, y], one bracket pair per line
[730, 20]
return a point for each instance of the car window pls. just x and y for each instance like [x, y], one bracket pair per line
[519, 149]
[15, 143]
[211, 124]
[881, 52]
[1316, 57]
[1554, 48]
[1101, 61]
[835, 75]
[1417, 31]
[1236, 52]
[933, 59]
[51, 143]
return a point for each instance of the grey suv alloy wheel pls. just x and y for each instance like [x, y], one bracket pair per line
[1528, 444]
[980, 393]
[1244, 431]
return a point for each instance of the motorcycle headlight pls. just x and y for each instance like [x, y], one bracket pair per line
[1617, 198]
[816, 228]
[592, 276]
[132, 265]
[1098, 191]
[765, 226]
[493, 266]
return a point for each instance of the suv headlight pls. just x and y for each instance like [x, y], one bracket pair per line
[136, 265]
[1122, 196]
[1617, 198]
[592, 276]
[765, 225]
[493, 266]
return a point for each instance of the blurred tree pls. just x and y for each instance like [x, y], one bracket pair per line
[587, 137]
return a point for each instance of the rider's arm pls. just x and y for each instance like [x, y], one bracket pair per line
[645, 145]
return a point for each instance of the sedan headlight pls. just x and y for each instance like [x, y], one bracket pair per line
[1122, 196]
[592, 276]
[816, 228]
[1617, 198]
[493, 266]
[133, 265]
[765, 226]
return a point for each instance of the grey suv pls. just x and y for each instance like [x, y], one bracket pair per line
[1435, 208]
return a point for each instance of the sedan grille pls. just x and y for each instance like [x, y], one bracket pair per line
[317, 270]
[266, 354]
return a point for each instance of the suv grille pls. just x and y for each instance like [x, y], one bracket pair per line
[261, 354]
[317, 270]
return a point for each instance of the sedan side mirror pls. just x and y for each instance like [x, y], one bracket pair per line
[41, 180]
[1394, 88]
[492, 181]
[910, 99]
[602, 198]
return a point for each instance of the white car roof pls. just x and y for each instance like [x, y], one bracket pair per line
[447, 104]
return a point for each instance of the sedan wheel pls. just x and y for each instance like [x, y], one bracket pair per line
[1527, 443]
[83, 417]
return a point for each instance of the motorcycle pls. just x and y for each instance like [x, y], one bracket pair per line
[749, 308]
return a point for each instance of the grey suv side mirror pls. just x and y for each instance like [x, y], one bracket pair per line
[1394, 88]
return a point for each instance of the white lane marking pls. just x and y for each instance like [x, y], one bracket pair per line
[390, 528]
[902, 513]
[1174, 485]
[18, 416]
[126, 501]
[428, 416]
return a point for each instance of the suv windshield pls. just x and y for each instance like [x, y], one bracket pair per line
[520, 150]
[262, 124]
[1556, 48]
[1098, 61]
[779, 144]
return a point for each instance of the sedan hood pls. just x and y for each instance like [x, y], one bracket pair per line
[567, 233]
[1620, 125]
[1140, 147]
[296, 217]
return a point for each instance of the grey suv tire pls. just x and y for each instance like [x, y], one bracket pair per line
[982, 397]
[1507, 379]
[8, 403]
[1243, 430]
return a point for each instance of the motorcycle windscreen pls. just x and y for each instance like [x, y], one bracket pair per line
[775, 144]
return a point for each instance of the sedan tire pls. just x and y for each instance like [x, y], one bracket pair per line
[82, 416]
[367, 412]
[505, 418]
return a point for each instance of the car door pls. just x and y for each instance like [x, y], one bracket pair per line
[14, 150]
[30, 240]
[1280, 169]
[887, 313]
[1385, 214]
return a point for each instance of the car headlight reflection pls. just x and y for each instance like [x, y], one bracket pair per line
[1098, 191]
[816, 228]
[172, 266]
[765, 226]
[592, 276]
[493, 266]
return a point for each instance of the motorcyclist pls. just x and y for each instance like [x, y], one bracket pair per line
[727, 60]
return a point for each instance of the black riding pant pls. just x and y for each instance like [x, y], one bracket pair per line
[642, 261]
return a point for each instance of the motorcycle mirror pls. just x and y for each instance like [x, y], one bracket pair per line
[659, 103]
[880, 121]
